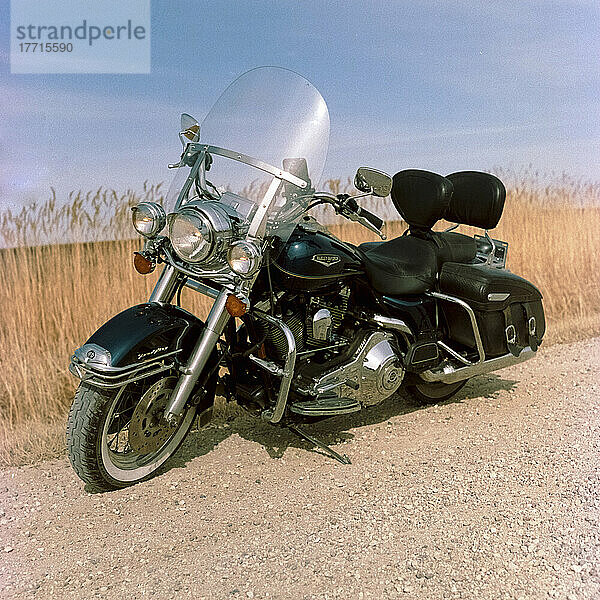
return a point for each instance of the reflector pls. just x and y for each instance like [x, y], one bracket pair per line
[235, 307]
[142, 264]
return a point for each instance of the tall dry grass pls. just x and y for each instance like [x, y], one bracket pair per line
[54, 296]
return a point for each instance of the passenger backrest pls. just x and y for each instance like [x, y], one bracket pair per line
[421, 197]
[478, 199]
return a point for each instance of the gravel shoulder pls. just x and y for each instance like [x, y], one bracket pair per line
[493, 495]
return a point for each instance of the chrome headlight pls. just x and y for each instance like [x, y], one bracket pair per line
[148, 218]
[200, 232]
[244, 258]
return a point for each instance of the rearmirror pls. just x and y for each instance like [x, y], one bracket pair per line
[190, 129]
[373, 182]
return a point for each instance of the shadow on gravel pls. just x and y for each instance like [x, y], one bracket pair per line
[276, 440]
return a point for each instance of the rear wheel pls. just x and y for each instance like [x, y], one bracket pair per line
[116, 438]
[433, 392]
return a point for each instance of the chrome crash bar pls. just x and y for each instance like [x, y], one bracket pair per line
[286, 373]
[449, 374]
[472, 318]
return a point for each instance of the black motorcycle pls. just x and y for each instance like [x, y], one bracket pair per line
[303, 325]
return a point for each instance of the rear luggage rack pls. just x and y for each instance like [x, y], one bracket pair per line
[490, 251]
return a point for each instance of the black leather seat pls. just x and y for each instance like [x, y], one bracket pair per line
[454, 247]
[448, 246]
[410, 264]
[406, 265]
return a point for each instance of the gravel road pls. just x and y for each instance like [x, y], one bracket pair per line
[494, 495]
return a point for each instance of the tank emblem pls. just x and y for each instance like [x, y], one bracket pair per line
[326, 259]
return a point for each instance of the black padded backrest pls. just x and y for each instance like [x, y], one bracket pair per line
[421, 197]
[478, 199]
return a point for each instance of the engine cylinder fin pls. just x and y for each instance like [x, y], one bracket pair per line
[275, 339]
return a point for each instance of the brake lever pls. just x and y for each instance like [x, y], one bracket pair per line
[365, 223]
[349, 208]
[341, 206]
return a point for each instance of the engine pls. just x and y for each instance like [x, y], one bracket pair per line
[333, 358]
[370, 370]
[324, 317]
[315, 322]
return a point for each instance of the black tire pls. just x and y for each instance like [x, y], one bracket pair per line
[90, 424]
[433, 392]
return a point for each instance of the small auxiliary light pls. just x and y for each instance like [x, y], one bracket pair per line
[142, 264]
[148, 218]
[234, 306]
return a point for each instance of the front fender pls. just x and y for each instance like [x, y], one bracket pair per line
[140, 341]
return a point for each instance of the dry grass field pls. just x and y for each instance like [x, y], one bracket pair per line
[54, 296]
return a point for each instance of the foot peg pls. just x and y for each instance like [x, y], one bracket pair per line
[322, 446]
[325, 406]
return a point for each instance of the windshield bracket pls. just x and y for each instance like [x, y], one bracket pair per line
[183, 194]
[253, 162]
[259, 221]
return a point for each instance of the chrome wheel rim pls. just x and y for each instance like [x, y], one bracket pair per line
[126, 455]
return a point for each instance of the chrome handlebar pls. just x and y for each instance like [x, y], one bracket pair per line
[353, 213]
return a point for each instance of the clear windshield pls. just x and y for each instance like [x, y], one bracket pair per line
[278, 117]
[271, 114]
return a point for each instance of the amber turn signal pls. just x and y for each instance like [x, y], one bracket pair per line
[142, 264]
[234, 306]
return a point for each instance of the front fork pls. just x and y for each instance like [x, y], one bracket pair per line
[215, 324]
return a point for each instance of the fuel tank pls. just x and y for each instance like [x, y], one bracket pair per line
[314, 260]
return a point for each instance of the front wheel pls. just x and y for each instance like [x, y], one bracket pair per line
[116, 438]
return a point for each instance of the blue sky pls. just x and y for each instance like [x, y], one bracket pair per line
[435, 85]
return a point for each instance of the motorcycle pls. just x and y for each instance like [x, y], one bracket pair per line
[303, 326]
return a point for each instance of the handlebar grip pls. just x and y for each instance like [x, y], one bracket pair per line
[369, 216]
[352, 205]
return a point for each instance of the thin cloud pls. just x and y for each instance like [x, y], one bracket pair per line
[388, 140]
[63, 104]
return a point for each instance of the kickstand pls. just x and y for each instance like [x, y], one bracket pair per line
[329, 451]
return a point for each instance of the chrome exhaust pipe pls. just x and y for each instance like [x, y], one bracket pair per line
[450, 374]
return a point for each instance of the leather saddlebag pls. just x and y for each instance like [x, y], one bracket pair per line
[508, 308]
